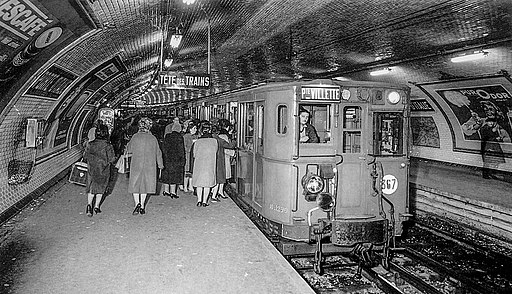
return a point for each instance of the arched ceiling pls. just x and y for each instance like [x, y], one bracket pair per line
[251, 40]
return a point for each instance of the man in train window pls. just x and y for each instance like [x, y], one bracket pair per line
[308, 132]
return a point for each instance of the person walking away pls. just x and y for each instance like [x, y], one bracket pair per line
[173, 151]
[99, 155]
[146, 157]
[204, 164]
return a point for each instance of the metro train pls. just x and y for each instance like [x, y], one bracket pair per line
[346, 193]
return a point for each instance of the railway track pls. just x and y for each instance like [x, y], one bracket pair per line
[427, 261]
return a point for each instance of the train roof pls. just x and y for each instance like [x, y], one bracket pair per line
[302, 82]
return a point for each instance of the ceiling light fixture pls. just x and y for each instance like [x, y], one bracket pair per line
[176, 40]
[168, 62]
[380, 72]
[470, 57]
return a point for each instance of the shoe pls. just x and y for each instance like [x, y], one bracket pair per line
[97, 210]
[174, 196]
[222, 196]
[142, 211]
[198, 204]
[205, 204]
[167, 194]
[215, 200]
[88, 210]
[136, 210]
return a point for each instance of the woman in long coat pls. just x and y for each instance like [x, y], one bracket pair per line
[146, 157]
[99, 155]
[204, 165]
[173, 150]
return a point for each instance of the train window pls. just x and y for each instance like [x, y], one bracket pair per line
[319, 119]
[282, 119]
[352, 129]
[249, 127]
[260, 128]
[388, 133]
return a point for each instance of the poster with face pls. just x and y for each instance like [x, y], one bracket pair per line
[474, 108]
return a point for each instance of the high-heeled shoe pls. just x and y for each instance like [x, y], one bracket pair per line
[174, 196]
[142, 210]
[136, 210]
[97, 210]
[167, 194]
[205, 204]
[88, 210]
[199, 204]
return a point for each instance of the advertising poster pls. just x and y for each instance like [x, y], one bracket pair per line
[476, 110]
[52, 83]
[66, 109]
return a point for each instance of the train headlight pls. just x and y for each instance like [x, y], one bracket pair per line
[393, 97]
[313, 184]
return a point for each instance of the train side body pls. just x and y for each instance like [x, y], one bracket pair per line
[360, 161]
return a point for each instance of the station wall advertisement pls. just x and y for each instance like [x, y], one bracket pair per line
[473, 107]
[70, 103]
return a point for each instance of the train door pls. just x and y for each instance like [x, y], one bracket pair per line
[259, 153]
[246, 144]
[353, 171]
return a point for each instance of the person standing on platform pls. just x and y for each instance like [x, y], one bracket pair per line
[204, 164]
[146, 157]
[225, 145]
[99, 155]
[173, 150]
[189, 138]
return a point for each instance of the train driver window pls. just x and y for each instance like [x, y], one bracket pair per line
[314, 123]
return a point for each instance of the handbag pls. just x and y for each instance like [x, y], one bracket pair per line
[78, 173]
[123, 163]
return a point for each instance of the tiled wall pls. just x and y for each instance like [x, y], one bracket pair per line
[12, 147]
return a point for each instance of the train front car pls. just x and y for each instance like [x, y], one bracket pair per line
[326, 163]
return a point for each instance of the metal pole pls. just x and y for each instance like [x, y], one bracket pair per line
[209, 45]
[162, 50]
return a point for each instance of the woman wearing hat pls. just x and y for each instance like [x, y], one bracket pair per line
[146, 157]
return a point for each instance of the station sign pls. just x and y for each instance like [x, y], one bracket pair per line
[176, 80]
[320, 93]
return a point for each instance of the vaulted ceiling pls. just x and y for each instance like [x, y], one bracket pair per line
[251, 40]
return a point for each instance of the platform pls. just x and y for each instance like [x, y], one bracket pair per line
[53, 247]
[462, 195]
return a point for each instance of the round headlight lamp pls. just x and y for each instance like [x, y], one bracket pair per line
[314, 184]
[393, 97]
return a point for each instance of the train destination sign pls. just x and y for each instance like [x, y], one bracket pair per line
[174, 80]
[320, 93]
